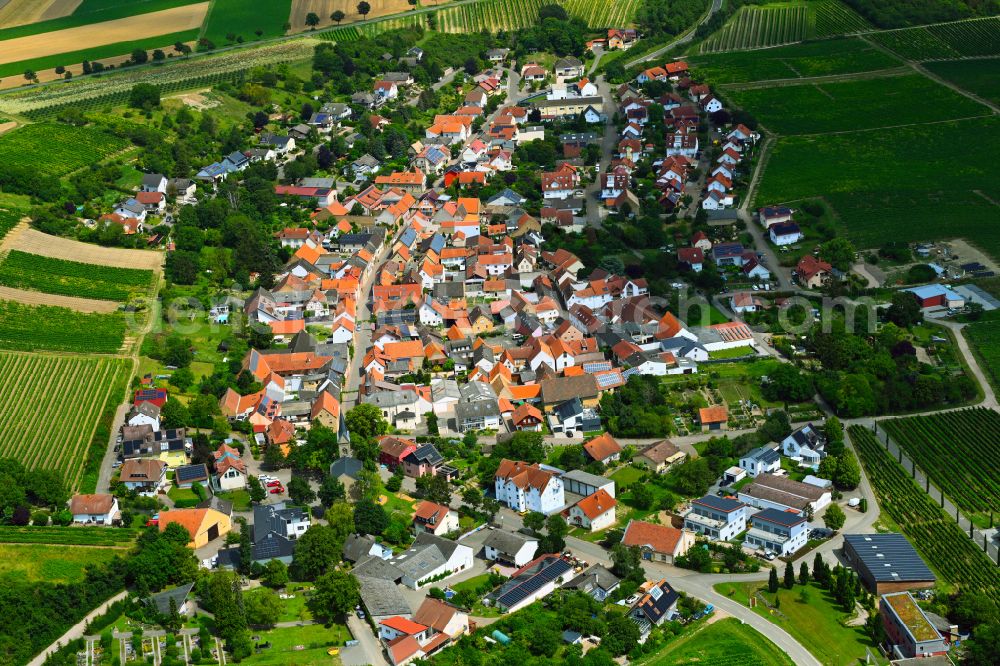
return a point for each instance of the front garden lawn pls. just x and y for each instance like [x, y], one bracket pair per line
[817, 623]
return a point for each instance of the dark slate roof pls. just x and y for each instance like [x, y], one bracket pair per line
[595, 577]
[889, 557]
[178, 594]
[382, 597]
[345, 467]
[378, 569]
[357, 546]
[271, 519]
[508, 543]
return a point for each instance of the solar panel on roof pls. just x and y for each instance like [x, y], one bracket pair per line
[535, 583]
[596, 366]
[604, 381]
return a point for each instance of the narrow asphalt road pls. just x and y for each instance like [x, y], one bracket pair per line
[609, 142]
[686, 38]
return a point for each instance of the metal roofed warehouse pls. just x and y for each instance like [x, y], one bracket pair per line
[887, 562]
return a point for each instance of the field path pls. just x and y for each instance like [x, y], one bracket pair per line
[141, 26]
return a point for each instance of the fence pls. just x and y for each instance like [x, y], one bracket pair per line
[980, 538]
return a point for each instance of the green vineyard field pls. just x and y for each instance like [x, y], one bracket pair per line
[53, 406]
[940, 540]
[50, 328]
[859, 174]
[9, 220]
[844, 106]
[494, 16]
[69, 278]
[984, 336]
[51, 149]
[821, 58]
[980, 77]
[944, 41]
[761, 26]
[957, 450]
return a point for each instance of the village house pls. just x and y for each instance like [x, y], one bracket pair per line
[528, 487]
[658, 543]
[435, 519]
[718, 518]
[594, 512]
[96, 509]
[660, 456]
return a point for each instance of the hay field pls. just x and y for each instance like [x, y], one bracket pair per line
[323, 9]
[143, 26]
[23, 12]
[35, 242]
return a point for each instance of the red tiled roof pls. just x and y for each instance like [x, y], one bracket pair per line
[660, 538]
[601, 448]
[597, 504]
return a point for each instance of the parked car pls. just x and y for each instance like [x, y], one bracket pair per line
[274, 484]
[277, 491]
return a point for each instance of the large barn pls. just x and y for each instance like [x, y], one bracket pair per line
[887, 562]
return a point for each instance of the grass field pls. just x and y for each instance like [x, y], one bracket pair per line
[68, 536]
[881, 184]
[53, 564]
[761, 26]
[973, 37]
[817, 625]
[822, 58]
[626, 476]
[941, 542]
[50, 328]
[240, 18]
[980, 77]
[69, 278]
[94, 11]
[727, 642]
[54, 404]
[957, 452]
[854, 105]
[51, 149]
[299, 646]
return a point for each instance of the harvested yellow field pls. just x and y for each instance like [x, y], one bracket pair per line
[30, 240]
[323, 9]
[132, 28]
[22, 12]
